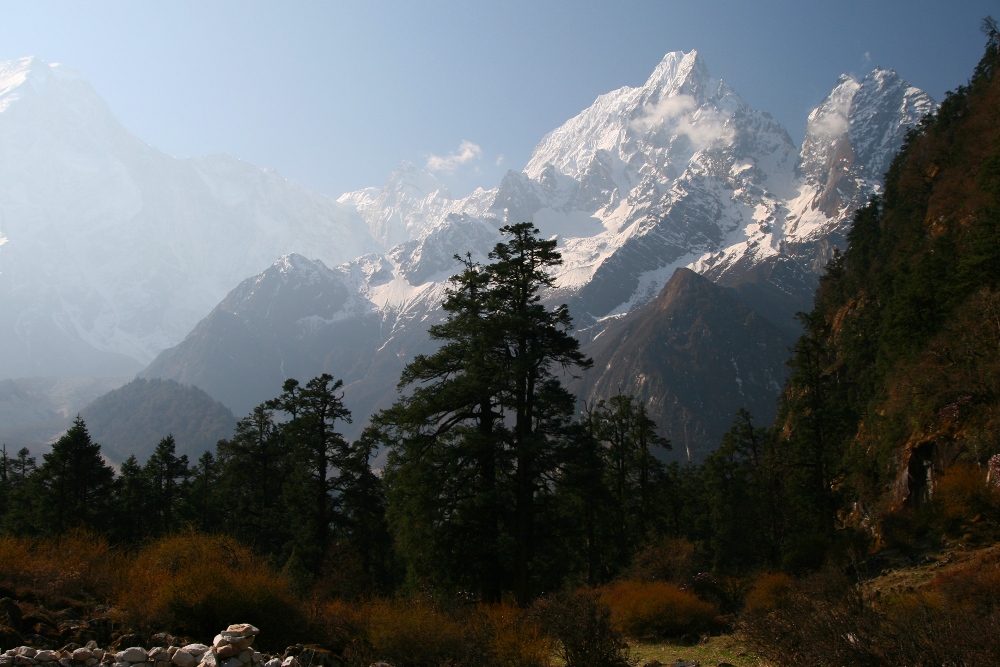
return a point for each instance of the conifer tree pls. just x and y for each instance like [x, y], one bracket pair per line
[131, 491]
[74, 482]
[483, 431]
[166, 474]
[536, 342]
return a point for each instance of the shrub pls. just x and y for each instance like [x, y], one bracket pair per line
[582, 625]
[416, 633]
[657, 610]
[769, 592]
[412, 633]
[828, 619]
[77, 564]
[670, 559]
[510, 637]
[964, 496]
[195, 584]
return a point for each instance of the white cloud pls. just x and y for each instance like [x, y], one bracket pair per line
[500, 160]
[680, 115]
[467, 152]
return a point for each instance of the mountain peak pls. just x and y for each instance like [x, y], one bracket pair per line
[679, 72]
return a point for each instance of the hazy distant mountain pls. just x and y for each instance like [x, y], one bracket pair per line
[111, 251]
[35, 410]
[679, 172]
[134, 418]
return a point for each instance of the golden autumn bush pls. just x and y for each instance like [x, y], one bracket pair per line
[79, 565]
[416, 633]
[193, 584]
[657, 610]
[769, 592]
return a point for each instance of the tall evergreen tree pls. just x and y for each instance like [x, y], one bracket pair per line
[131, 492]
[449, 429]
[536, 343]
[483, 427]
[74, 483]
[166, 474]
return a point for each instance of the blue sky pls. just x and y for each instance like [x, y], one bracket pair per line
[335, 94]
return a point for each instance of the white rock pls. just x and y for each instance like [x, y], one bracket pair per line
[46, 656]
[83, 654]
[133, 654]
[273, 662]
[195, 649]
[26, 651]
[243, 629]
[290, 661]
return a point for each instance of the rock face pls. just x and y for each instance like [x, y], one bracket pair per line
[694, 356]
[678, 172]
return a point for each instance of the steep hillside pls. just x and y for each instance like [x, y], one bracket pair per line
[694, 356]
[134, 418]
[898, 376]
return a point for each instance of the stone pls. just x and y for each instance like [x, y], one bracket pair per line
[170, 652]
[21, 659]
[27, 651]
[183, 658]
[82, 654]
[232, 662]
[244, 629]
[290, 661]
[66, 662]
[256, 656]
[6, 660]
[46, 656]
[133, 654]
[90, 662]
[273, 662]
[195, 649]
[209, 659]
[245, 656]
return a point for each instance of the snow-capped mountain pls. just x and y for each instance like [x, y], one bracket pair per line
[678, 172]
[111, 251]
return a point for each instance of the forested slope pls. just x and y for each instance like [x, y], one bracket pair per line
[897, 378]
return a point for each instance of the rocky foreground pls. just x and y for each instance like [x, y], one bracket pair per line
[233, 647]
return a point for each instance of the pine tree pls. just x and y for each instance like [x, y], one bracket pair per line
[484, 428]
[255, 464]
[536, 342]
[74, 483]
[131, 493]
[449, 429]
[166, 474]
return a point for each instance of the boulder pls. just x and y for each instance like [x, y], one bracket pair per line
[184, 658]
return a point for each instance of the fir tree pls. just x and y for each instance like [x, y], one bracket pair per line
[74, 483]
